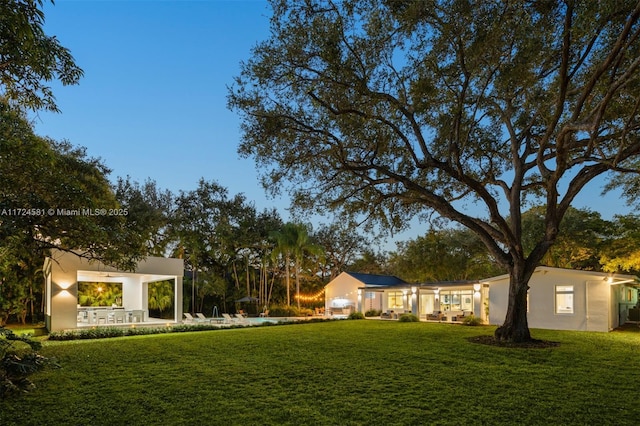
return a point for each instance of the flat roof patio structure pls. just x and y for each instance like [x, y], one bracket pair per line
[84, 293]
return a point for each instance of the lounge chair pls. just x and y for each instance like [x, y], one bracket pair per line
[241, 319]
[228, 319]
[265, 313]
[202, 318]
[189, 317]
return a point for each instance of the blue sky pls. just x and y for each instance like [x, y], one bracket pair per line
[152, 103]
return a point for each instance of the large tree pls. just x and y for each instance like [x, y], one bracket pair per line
[342, 244]
[470, 109]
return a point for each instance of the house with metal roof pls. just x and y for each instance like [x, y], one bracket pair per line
[391, 296]
[343, 292]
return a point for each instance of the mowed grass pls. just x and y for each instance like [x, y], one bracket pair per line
[335, 373]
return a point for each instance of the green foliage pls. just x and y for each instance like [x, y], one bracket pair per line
[293, 243]
[373, 313]
[99, 293]
[149, 215]
[108, 332]
[30, 57]
[408, 318]
[289, 311]
[370, 262]
[18, 361]
[161, 295]
[221, 236]
[356, 316]
[443, 255]
[581, 241]
[45, 185]
[471, 320]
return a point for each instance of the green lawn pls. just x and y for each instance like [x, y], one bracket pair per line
[335, 373]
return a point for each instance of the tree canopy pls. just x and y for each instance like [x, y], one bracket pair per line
[394, 109]
[29, 58]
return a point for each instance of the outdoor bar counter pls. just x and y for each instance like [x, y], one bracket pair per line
[107, 315]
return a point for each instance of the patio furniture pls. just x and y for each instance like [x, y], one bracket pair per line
[101, 316]
[202, 318]
[265, 313]
[138, 315]
[119, 316]
[436, 316]
[241, 319]
[228, 319]
[189, 317]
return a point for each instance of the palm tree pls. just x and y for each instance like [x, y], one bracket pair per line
[293, 242]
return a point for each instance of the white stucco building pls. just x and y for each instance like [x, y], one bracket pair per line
[441, 301]
[567, 299]
[64, 272]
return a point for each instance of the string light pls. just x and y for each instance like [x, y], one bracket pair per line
[311, 297]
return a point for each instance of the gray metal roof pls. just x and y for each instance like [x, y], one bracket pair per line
[377, 280]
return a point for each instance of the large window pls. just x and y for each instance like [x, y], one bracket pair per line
[395, 300]
[456, 300]
[564, 299]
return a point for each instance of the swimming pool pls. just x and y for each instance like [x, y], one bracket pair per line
[258, 321]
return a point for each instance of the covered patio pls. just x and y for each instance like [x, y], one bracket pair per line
[82, 293]
[445, 301]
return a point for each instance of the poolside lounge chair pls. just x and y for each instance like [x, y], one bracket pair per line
[202, 318]
[189, 317]
[265, 313]
[241, 319]
[228, 319]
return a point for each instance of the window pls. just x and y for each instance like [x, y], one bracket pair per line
[395, 300]
[456, 300]
[564, 299]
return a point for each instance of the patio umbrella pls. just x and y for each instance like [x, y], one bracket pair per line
[248, 299]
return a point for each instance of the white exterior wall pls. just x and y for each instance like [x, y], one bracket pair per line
[132, 293]
[62, 299]
[595, 305]
[342, 291]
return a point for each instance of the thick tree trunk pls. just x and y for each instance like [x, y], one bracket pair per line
[515, 327]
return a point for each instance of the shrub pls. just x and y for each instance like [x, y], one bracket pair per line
[289, 311]
[16, 363]
[106, 332]
[471, 320]
[408, 318]
[372, 313]
[356, 315]
[283, 311]
[304, 312]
